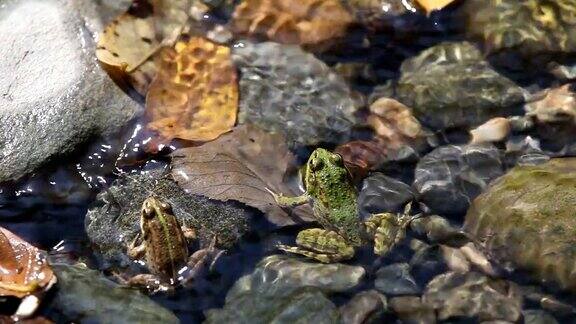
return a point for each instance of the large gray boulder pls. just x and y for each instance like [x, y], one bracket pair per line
[53, 94]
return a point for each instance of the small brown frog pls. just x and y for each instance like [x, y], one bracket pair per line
[164, 245]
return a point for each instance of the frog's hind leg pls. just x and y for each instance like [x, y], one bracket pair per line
[387, 230]
[322, 245]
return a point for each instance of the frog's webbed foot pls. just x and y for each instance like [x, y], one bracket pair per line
[201, 259]
[322, 245]
[387, 230]
[288, 202]
[149, 283]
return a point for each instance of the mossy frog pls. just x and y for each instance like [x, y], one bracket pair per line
[334, 200]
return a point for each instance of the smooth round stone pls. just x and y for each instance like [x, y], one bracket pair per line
[537, 316]
[53, 96]
[383, 194]
[450, 177]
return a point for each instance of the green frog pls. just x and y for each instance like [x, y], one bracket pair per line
[330, 189]
[163, 243]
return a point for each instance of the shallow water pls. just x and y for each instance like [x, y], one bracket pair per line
[48, 208]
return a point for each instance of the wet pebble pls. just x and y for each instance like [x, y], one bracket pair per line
[450, 177]
[364, 307]
[396, 280]
[427, 262]
[438, 229]
[381, 193]
[537, 316]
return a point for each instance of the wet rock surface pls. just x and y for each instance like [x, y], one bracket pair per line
[383, 194]
[86, 296]
[528, 27]
[451, 85]
[473, 295]
[40, 120]
[285, 89]
[284, 290]
[116, 214]
[526, 220]
[448, 178]
[364, 307]
[396, 280]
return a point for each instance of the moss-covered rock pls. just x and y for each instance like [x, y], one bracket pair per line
[531, 27]
[527, 220]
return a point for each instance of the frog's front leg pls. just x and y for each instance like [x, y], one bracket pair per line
[322, 245]
[387, 230]
[136, 250]
[287, 202]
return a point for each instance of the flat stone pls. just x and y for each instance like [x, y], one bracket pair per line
[365, 307]
[54, 95]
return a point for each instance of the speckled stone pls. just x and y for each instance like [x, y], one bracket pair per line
[284, 89]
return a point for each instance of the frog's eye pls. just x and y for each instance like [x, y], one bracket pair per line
[316, 164]
[336, 158]
[148, 211]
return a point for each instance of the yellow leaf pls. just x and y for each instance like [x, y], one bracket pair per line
[127, 44]
[431, 5]
[195, 93]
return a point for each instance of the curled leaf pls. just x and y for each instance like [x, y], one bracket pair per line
[242, 166]
[195, 93]
[23, 268]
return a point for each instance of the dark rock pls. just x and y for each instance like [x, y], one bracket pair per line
[537, 316]
[396, 280]
[439, 230]
[526, 220]
[383, 194]
[448, 178]
[428, 262]
[284, 89]
[451, 85]
[57, 96]
[86, 296]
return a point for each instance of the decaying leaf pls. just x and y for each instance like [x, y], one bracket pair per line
[305, 22]
[23, 268]
[431, 5]
[360, 157]
[241, 166]
[195, 93]
[127, 44]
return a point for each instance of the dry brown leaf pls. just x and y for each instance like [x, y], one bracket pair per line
[23, 268]
[127, 44]
[240, 166]
[195, 93]
[305, 22]
[431, 5]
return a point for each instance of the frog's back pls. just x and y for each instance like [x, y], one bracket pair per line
[168, 250]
